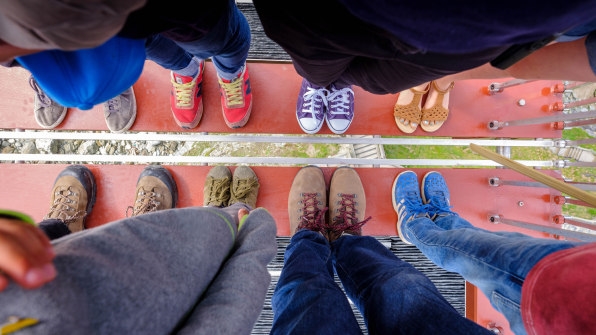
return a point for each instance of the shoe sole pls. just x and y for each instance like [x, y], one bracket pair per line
[394, 202]
[242, 122]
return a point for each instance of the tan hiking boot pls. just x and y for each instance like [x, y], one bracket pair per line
[307, 200]
[347, 204]
[216, 191]
[73, 197]
[245, 187]
[156, 190]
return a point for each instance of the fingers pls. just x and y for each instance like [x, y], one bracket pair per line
[241, 213]
[25, 254]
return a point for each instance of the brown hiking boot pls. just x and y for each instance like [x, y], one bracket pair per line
[347, 204]
[245, 187]
[156, 190]
[307, 200]
[73, 197]
[216, 191]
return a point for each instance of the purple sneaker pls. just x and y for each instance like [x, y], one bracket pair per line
[310, 109]
[340, 109]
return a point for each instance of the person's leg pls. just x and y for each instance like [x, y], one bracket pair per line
[497, 263]
[138, 275]
[227, 43]
[167, 53]
[306, 298]
[392, 295]
[235, 298]
[186, 99]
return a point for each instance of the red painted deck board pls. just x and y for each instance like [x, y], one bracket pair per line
[27, 187]
[275, 87]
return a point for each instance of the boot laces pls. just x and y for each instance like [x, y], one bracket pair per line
[65, 206]
[347, 219]
[243, 187]
[146, 202]
[312, 218]
[218, 190]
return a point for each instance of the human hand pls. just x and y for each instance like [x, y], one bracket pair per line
[25, 255]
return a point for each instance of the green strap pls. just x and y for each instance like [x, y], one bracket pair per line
[7, 213]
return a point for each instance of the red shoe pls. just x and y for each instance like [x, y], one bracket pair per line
[236, 99]
[186, 98]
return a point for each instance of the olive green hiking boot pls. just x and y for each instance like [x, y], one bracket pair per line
[347, 204]
[73, 197]
[216, 192]
[156, 190]
[245, 187]
[307, 201]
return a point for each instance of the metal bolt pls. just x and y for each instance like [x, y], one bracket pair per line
[493, 125]
[494, 181]
[520, 203]
[493, 327]
[494, 218]
[521, 102]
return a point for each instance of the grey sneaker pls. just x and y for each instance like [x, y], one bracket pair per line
[310, 107]
[347, 204]
[340, 109]
[48, 113]
[156, 190]
[245, 187]
[120, 112]
[73, 197]
[216, 191]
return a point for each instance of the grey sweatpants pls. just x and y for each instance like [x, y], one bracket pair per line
[176, 271]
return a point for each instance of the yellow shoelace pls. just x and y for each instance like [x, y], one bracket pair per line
[183, 93]
[233, 91]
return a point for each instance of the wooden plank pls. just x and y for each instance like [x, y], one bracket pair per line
[27, 187]
[275, 88]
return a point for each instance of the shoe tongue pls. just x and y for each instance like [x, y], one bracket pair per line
[180, 79]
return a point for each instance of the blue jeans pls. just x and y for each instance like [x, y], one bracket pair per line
[496, 262]
[392, 296]
[227, 43]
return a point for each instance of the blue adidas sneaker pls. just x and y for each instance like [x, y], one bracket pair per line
[435, 194]
[407, 202]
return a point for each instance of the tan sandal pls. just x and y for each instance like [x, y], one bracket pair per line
[434, 117]
[407, 115]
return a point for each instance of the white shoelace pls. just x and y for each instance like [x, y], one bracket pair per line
[339, 101]
[312, 97]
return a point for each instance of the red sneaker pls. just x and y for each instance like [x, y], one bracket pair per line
[236, 99]
[186, 98]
